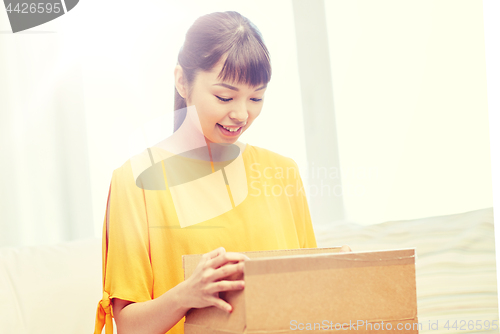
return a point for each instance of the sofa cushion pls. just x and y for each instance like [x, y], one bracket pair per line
[50, 288]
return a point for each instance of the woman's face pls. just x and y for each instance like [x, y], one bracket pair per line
[223, 105]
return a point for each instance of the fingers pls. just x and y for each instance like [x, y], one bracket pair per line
[220, 286]
[227, 270]
[216, 287]
[206, 282]
[216, 252]
[223, 265]
[345, 249]
[221, 304]
[226, 257]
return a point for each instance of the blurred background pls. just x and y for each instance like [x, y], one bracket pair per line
[398, 131]
[382, 104]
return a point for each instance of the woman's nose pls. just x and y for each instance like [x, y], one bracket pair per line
[240, 113]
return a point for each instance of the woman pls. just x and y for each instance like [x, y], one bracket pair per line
[220, 81]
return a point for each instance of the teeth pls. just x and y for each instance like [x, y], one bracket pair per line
[231, 130]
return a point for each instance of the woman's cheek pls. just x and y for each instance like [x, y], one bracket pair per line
[255, 114]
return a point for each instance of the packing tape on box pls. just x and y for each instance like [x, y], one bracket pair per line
[263, 266]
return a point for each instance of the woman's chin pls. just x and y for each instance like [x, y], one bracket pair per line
[221, 139]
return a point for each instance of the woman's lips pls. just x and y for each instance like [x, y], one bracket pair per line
[229, 133]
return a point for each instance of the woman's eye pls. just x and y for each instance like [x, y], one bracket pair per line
[227, 100]
[223, 99]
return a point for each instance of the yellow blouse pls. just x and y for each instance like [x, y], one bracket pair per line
[142, 251]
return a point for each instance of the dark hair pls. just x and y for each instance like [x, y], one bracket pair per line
[219, 34]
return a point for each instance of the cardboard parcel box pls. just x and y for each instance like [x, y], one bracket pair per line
[316, 289]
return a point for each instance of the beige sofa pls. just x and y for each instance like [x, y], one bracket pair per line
[56, 289]
[50, 289]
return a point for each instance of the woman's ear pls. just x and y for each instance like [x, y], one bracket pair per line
[180, 82]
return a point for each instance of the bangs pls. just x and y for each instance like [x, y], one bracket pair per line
[247, 61]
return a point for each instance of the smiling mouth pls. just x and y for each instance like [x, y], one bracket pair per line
[229, 131]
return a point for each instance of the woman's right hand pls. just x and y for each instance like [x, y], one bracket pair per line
[202, 288]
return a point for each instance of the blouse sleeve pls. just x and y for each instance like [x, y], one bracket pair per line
[127, 271]
[303, 222]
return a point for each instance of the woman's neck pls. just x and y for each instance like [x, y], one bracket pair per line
[211, 144]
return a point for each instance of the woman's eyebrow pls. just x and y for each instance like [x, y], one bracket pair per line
[234, 88]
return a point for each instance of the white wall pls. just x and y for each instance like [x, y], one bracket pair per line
[409, 90]
[44, 189]
[411, 107]
[491, 11]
